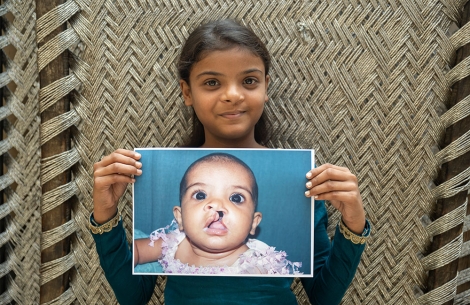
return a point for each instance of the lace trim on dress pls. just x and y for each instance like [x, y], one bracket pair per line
[258, 259]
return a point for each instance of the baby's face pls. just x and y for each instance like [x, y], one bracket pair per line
[217, 188]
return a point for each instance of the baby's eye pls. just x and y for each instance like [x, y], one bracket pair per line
[199, 195]
[212, 83]
[237, 198]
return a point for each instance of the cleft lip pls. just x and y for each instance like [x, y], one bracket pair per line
[215, 224]
[213, 217]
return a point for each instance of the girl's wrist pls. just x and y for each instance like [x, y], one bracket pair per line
[356, 226]
[103, 216]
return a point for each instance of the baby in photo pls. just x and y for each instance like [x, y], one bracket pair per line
[217, 213]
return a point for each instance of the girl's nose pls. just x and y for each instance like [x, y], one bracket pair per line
[233, 94]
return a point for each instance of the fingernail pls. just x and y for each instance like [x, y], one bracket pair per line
[138, 164]
[138, 155]
[307, 193]
[139, 172]
[309, 184]
[309, 175]
[316, 196]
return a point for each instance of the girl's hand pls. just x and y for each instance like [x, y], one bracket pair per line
[339, 186]
[111, 176]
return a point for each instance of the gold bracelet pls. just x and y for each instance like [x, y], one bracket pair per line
[354, 238]
[106, 227]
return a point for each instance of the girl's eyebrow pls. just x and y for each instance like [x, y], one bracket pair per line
[213, 73]
[251, 71]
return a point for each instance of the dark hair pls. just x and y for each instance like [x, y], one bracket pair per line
[220, 35]
[220, 157]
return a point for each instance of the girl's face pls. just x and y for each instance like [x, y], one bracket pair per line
[228, 90]
[213, 189]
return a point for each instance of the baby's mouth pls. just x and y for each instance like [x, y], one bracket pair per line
[215, 224]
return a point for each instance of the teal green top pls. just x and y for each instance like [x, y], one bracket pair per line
[334, 267]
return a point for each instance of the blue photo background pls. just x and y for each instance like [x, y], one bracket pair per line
[287, 214]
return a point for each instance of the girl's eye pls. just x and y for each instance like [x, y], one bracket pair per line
[250, 81]
[199, 195]
[237, 198]
[212, 83]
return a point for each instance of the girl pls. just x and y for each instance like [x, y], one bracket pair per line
[224, 77]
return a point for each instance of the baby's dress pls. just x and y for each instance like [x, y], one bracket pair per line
[258, 259]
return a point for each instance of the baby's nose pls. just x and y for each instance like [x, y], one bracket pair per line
[221, 214]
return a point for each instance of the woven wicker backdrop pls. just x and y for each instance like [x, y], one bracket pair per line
[365, 83]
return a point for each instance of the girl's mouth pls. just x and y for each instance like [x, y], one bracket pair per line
[232, 114]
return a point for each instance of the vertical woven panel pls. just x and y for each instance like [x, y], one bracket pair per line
[363, 82]
[20, 149]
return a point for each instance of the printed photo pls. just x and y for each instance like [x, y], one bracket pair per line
[234, 212]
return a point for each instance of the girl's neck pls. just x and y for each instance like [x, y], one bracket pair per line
[248, 142]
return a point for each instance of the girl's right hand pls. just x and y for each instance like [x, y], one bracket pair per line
[111, 176]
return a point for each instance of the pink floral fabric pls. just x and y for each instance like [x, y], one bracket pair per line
[258, 259]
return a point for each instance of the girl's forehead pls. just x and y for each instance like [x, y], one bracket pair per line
[234, 58]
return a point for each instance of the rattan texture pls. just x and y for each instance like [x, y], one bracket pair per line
[365, 83]
[20, 216]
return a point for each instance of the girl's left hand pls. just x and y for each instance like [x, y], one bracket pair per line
[339, 186]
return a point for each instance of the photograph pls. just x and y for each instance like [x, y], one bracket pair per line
[225, 212]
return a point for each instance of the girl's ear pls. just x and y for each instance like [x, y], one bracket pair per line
[268, 79]
[179, 219]
[186, 91]
[256, 220]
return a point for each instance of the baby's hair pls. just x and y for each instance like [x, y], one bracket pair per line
[225, 158]
[221, 35]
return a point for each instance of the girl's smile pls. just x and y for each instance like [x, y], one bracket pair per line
[227, 90]
[232, 115]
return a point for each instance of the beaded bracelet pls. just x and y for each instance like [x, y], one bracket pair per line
[106, 227]
[354, 238]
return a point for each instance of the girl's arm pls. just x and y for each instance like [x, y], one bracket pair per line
[335, 264]
[144, 253]
[110, 178]
[339, 186]
[116, 262]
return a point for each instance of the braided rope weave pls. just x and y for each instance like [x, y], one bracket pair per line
[363, 82]
[20, 217]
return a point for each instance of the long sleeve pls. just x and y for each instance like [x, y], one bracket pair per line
[335, 263]
[116, 261]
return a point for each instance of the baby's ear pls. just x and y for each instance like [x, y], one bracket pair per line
[179, 219]
[256, 220]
